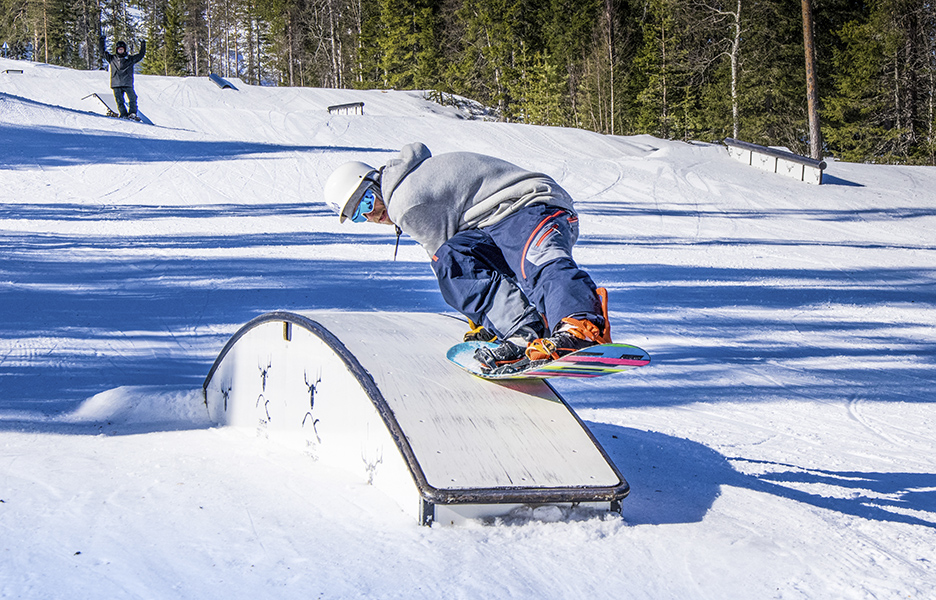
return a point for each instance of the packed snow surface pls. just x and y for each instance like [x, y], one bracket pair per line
[781, 444]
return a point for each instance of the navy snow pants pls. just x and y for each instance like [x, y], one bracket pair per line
[518, 272]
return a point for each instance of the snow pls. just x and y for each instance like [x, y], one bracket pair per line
[780, 445]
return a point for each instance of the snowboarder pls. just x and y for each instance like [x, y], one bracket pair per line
[500, 238]
[121, 75]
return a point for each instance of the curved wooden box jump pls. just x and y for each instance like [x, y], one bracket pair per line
[373, 393]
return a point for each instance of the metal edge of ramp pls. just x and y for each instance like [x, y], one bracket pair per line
[438, 495]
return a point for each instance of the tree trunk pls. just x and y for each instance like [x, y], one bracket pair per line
[208, 48]
[45, 29]
[665, 116]
[812, 87]
[735, 53]
[335, 50]
[289, 44]
[609, 16]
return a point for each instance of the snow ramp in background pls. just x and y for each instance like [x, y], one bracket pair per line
[373, 393]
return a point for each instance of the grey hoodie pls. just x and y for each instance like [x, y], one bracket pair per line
[431, 198]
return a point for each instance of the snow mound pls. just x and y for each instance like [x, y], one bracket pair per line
[143, 405]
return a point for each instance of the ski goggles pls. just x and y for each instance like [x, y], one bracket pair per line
[365, 206]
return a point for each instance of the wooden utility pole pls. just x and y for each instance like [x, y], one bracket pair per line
[812, 88]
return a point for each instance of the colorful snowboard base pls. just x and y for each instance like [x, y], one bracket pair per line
[597, 361]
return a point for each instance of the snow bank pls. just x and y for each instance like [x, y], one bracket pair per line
[141, 406]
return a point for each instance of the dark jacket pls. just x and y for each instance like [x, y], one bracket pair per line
[121, 67]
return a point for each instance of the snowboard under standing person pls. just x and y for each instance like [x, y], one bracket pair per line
[121, 75]
[500, 238]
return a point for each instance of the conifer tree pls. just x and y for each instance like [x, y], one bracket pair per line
[662, 72]
[154, 62]
[566, 30]
[492, 51]
[367, 26]
[882, 106]
[603, 101]
[173, 47]
[195, 37]
[116, 22]
[772, 86]
[86, 30]
[408, 43]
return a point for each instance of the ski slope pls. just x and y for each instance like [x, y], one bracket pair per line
[781, 444]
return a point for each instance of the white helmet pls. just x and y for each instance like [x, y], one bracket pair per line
[347, 185]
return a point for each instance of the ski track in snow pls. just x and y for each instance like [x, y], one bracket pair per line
[779, 446]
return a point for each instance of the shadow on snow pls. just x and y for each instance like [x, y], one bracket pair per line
[122, 212]
[29, 147]
[78, 320]
[674, 480]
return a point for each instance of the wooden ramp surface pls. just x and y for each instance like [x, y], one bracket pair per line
[462, 440]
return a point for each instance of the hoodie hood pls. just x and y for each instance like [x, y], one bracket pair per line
[411, 156]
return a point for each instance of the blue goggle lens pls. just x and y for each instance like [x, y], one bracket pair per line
[365, 206]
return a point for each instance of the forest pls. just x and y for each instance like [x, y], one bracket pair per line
[677, 69]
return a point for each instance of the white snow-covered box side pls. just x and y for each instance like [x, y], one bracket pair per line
[790, 168]
[740, 154]
[813, 175]
[374, 394]
[764, 162]
[287, 383]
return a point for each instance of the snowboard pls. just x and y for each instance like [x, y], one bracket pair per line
[110, 112]
[596, 361]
